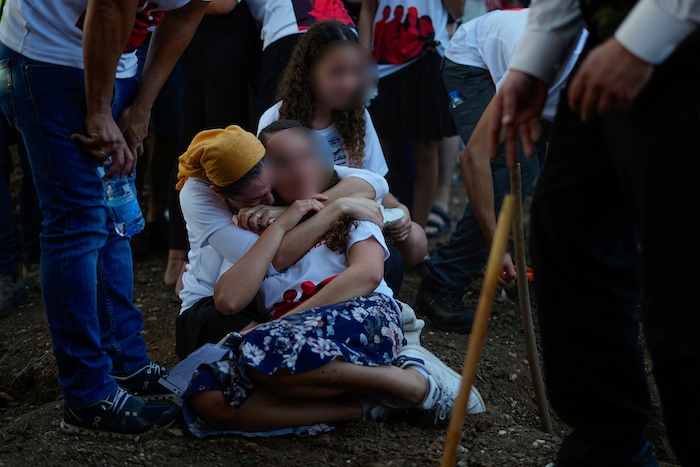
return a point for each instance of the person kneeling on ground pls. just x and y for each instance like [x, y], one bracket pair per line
[476, 58]
[333, 351]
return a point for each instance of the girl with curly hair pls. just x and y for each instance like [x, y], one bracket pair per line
[323, 90]
[333, 351]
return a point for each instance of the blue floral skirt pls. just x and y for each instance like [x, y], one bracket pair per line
[364, 331]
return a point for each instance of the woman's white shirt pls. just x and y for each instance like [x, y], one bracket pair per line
[213, 237]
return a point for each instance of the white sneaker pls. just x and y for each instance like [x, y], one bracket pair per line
[443, 383]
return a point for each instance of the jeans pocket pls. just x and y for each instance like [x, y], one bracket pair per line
[57, 96]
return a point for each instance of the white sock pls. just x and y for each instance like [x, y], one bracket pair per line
[429, 381]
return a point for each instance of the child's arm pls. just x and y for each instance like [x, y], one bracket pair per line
[364, 274]
[237, 287]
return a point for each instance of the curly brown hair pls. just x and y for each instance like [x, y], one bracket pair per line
[297, 96]
[338, 233]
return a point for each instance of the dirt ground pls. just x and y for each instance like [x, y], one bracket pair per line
[508, 434]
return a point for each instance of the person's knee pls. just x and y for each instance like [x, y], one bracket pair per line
[279, 379]
[213, 408]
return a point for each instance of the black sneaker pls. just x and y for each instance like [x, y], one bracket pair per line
[145, 383]
[118, 414]
[446, 311]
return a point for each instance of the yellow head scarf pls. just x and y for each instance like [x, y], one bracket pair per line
[221, 156]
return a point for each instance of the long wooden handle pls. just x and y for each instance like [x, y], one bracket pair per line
[478, 335]
[533, 355]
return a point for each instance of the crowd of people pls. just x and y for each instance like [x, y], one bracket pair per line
[294, 156]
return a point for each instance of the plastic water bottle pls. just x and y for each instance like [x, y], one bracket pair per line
[455, 99]
[120, 196]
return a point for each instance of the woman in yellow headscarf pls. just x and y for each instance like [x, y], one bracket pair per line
[221, 172]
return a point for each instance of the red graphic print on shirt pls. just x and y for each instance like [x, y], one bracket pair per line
[403, 37]
[310, 12]
[145, 18]
[289, 298]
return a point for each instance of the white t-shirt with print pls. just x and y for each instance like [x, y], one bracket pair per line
[213, 237]
[51, 31]
[282, 18]
[373, 161]
[403, 30]
[489, 41]
[282, 291]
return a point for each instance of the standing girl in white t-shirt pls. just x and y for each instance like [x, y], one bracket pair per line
[314, 90]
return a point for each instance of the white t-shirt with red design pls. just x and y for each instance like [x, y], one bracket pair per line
[373, 161]
[282, 18]
[282, 291]
[404, 30]
[51, 31]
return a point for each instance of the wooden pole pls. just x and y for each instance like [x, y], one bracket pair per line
[478, 334]
[533, 355]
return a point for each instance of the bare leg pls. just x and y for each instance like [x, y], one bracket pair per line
[338, 378]
[414, 248]
[162, 154]
[174, 269]
[425, 185]
[265, 411]
[448, 152]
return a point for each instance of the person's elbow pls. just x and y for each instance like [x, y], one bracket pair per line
[372, 279]
[281, 262]
[228, 303]
[221, 7]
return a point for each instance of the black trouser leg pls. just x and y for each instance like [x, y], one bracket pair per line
[584, 252]
[599, 179]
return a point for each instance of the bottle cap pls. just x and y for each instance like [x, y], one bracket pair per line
[453, 94]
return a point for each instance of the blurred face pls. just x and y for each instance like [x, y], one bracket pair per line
[294, 159]
[259, 191]
[343, 75]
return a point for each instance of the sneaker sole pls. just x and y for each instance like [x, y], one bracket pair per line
[79, 430]
[174, 398]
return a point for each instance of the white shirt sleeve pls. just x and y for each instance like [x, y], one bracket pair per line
[654, 28]
[552, 27]
[269, 116]
[366, 230]
[381, 187]
[374, 160]
[209, 222]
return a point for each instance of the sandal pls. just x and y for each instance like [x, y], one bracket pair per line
[440, 228]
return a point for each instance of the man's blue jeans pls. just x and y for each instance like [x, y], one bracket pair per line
[86, 269]
[453, 266]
